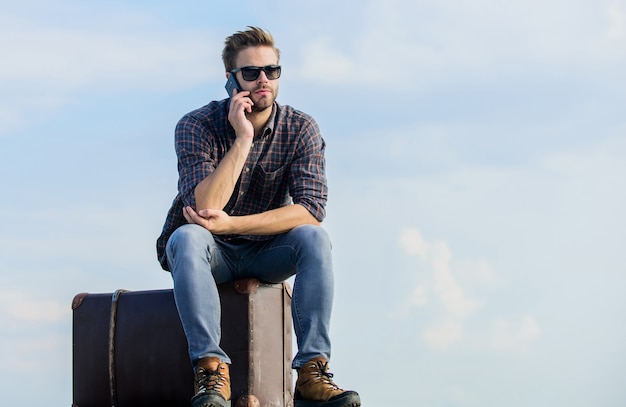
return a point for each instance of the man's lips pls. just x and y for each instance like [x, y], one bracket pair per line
[263, 92]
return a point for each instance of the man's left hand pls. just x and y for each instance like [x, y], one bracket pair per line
[215, 221]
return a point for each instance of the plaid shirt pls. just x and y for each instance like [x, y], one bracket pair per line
[285, 164]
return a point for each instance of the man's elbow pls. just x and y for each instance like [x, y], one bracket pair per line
[315, 222]
[207, 201]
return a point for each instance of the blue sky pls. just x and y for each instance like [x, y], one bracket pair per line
[476, 157]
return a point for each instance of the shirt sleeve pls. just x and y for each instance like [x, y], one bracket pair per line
[194, 147]
[307, 182]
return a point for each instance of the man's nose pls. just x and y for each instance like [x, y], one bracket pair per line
[262, 77]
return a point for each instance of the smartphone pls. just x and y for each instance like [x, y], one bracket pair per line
[232, 84]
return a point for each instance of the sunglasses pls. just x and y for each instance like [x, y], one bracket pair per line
[251, 73]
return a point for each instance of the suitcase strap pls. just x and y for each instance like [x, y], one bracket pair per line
[112, 386]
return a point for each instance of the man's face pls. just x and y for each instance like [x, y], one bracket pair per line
[263, 91]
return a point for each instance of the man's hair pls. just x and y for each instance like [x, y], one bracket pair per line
[252, 37]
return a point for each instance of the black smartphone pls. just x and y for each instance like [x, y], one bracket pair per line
[232, 84]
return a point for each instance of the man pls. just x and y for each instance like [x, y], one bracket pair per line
[251, 197]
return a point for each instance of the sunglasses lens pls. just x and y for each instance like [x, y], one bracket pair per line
[272, 72]
[251, 73]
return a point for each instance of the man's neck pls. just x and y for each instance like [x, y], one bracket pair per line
[259, 119]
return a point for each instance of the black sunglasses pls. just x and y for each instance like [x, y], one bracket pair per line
[251, 73]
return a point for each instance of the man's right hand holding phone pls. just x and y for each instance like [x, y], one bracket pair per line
[240, 103]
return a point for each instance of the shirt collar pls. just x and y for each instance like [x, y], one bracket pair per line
[268, 129]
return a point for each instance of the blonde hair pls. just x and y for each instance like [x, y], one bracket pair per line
[252, 37]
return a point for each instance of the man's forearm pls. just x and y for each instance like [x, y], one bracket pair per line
[215, 191]
[274, 221]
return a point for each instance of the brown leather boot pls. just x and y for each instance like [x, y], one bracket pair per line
[315, 387]
[212, 384]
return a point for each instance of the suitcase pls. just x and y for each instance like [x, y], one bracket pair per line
[129, 348]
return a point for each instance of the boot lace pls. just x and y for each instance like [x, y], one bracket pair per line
[325, 376]
[210, 380]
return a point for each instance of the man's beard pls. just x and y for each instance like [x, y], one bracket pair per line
[265, 102]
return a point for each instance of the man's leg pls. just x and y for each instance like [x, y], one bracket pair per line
[305, 251]
[197, 266]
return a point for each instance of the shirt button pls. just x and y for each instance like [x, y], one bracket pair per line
[240, 193]
[247, 169]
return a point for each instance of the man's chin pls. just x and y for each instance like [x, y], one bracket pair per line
[262, 105]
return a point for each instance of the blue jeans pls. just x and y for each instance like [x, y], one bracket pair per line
[199, 262]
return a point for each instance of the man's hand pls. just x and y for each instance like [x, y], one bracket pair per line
[215, 221]
[241, 103]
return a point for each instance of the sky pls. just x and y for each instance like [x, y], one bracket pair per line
[476, 163]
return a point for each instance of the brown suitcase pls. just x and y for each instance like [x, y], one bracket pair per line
[129, 348]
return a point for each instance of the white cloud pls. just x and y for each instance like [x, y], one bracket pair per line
[601, 162]
[63, 57]
[444, 285]
[25, 354]
[19, 307]
[413, 242]
[516, 335]
[477, 273]
[323, 61]
[617, 16]
[44, 65]
[441, 285]
[32, 323]
[437, 256]
[412, 45]
[444, 334]
[419, 296]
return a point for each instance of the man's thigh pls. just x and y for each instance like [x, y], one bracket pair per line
[276, 260]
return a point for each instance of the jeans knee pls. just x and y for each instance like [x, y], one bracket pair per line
[312, 241]
[311, 235]
[188, 240]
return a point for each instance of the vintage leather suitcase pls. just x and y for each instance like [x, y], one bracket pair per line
[129, 348]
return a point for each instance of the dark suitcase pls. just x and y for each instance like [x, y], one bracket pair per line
[129, 348]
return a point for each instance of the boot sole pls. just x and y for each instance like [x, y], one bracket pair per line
[212, 404]
[209, 400]
[349, 399]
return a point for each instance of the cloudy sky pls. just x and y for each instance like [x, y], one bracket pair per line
[476, 163]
